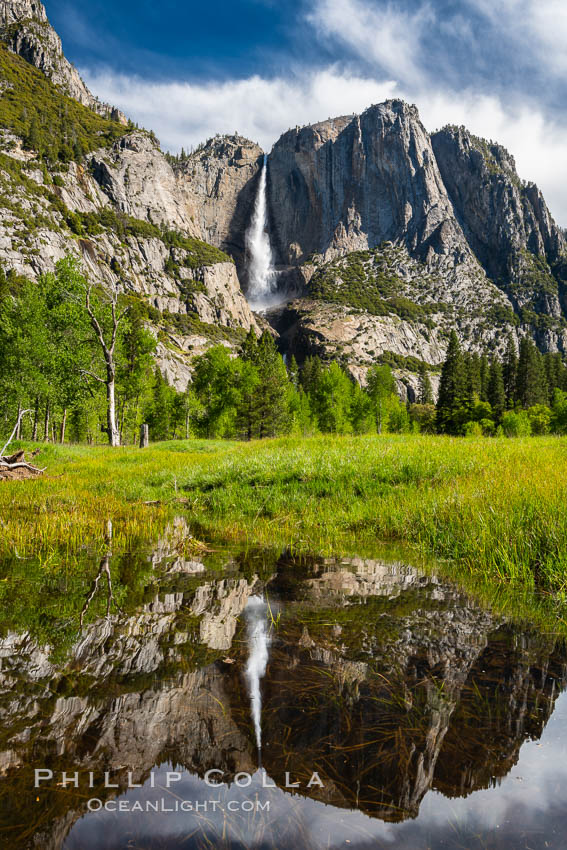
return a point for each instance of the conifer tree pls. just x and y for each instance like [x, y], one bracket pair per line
[531, 382]
[554, 372]
[424, 390]
[510, 372]
[310, 374]
[496, 391]
[453, 398]
[484, 378]
[270, 414]
[293, 372]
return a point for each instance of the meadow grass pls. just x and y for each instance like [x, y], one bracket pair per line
[497, 507]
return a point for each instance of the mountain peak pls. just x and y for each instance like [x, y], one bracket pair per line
[14, 11]
[25, 28]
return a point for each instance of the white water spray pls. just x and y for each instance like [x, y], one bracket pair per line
[262, 277]
[258, 644]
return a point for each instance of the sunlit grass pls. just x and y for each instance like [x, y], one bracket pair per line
[494, 506]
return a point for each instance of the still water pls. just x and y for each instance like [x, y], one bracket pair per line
[393, 709]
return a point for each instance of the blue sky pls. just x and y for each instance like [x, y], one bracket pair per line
[189, 70]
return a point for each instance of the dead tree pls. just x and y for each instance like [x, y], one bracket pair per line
[103, 570]
[14, 466]
[108, 348]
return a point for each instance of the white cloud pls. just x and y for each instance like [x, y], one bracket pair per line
[538, 27]
[385, 35]
[184, 114]
[388, 36]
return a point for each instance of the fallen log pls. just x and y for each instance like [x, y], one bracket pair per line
[16, 465]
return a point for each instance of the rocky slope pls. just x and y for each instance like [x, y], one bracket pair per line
[120, 209]
[444, 232]
[24, 26]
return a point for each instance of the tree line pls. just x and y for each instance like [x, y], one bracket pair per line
[522, 393]
[82, 362]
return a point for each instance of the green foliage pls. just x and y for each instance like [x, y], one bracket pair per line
[496, 389]
[559, 412]
[405, 361]
[425, 417]
[516, 424]
[364, 280]
[540, 419]
[198, 253]
[453, 390]
[510, 372]
[425, 391]
[53, 125]
[50, 357]
[531, 382]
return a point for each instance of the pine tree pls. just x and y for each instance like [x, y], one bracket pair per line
[484, 377]
[452, 403]
[270, 415]
[554, 372]
[510, 372]
[531, 382]
[496, 391]
[293, 372]
[474, 376]
[424, 390]
[310, 374]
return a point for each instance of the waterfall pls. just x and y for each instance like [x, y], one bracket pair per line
[262, 281]
[258, 643]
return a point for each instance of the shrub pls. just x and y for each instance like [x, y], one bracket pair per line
[516, 424]
[472, 429]
[540, 418]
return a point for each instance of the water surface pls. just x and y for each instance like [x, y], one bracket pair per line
[397, 711]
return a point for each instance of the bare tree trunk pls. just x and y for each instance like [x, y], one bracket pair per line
[112, 430]
[46, 424]
[63, 425]
[144, 436]
[108, 352]
[19, 426]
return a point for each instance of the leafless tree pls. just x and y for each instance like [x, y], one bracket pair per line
[108, 347]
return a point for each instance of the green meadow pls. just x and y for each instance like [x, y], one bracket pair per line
[492, 507]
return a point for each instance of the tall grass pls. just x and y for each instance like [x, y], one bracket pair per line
[494, 506]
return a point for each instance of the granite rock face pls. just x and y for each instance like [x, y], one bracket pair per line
[505, 220]
[385, 237]
[474, 238]
[219, 182]
[25, 28]
[139, 181]
[355, 182]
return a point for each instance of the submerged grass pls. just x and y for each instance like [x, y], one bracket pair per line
[496, 506]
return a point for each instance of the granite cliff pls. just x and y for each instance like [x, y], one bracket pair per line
[401, 235]
[391, 236]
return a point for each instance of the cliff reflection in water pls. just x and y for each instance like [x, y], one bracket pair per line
[387, 682]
